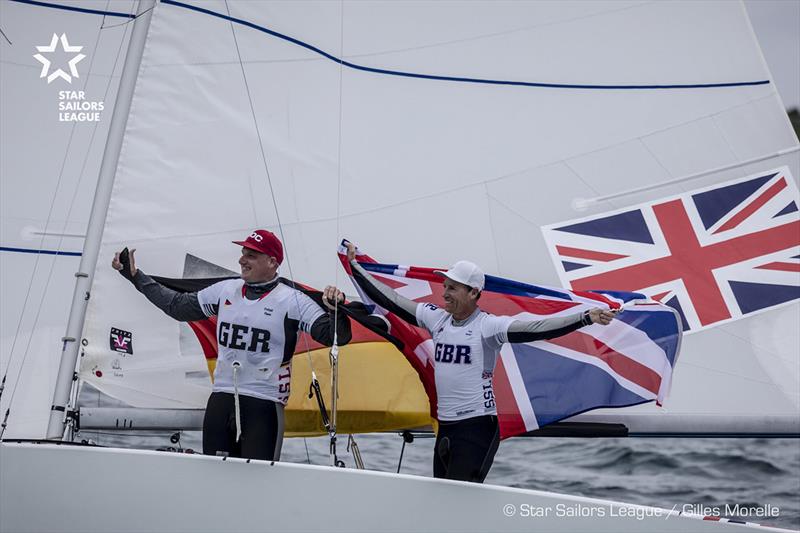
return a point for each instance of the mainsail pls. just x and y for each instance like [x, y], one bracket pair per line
[434, 132]
[49, 173]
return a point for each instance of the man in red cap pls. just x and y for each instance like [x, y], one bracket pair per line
[259, 317]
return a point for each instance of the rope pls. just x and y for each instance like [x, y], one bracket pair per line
[266, 170]
[334, 348]
[236, 366]
[334, 354]
[352, 447]
[314, 390]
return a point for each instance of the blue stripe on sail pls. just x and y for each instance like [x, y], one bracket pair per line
[454, 78]
[660, 326]
[78, 9]
[398, 72]
[559, 387]
[46, 252]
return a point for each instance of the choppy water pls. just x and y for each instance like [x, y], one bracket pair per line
[694, 474]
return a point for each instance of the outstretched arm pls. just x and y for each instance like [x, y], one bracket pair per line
[181, 306]
[380, 293]
[550, 328]
[323, 327]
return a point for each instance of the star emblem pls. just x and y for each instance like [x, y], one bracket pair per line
[58, 73]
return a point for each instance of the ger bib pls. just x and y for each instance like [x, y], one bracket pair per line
[257, 337]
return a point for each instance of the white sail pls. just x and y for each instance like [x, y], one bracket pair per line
[453, 131]
[49, 171]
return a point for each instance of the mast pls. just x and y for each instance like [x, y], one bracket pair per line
[97, 218]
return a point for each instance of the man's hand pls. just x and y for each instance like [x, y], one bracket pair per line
[351, 251]
[602, 316]
[122, 260]
[331, 296]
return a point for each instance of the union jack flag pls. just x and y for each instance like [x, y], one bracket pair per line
[714, 254]
[625, 363]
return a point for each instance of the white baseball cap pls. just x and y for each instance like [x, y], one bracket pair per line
[466, 273]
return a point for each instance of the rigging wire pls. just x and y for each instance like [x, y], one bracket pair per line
[66, 221]
[6, 37]
[335, 348]
[132, 18]
[271, 188]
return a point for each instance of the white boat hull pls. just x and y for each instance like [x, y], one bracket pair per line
[135, 490]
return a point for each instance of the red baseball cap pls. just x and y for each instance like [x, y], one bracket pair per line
[265, 242]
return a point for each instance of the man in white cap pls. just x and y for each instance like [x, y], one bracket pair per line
[466, 342]
[259, 318]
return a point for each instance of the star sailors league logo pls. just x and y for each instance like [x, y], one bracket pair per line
[47, 63]
[714, 254]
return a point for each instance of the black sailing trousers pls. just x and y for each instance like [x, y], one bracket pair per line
[262, 427]
[465, 449]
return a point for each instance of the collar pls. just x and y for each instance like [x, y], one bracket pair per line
[256, 291]
[263, 284]
[459, 323]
